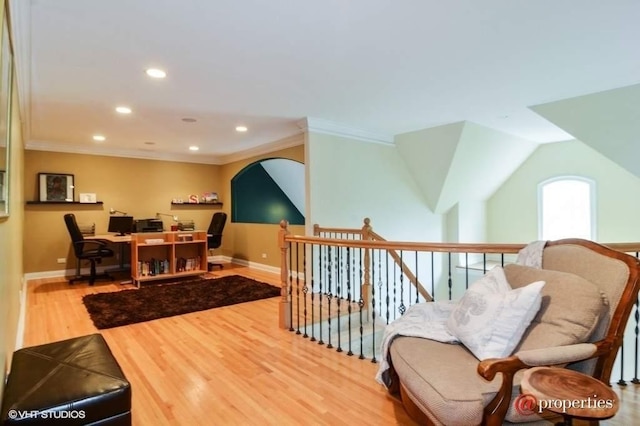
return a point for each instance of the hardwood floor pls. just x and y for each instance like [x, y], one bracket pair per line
[231, 365]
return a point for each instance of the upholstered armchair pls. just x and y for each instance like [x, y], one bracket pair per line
[586, 300]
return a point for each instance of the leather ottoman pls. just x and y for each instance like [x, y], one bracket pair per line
[71, 382]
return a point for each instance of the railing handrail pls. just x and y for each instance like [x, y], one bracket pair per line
[411, 245]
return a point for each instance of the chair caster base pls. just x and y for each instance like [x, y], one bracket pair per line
[91, 279]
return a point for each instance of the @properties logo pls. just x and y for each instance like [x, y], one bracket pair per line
[525, 404]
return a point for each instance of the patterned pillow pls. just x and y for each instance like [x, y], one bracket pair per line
[491, 317]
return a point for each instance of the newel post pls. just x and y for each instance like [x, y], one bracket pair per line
[366, 277]
[285, 303]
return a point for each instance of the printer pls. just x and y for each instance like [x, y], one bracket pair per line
[147, 225]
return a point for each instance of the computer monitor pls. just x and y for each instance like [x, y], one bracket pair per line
[121, 224]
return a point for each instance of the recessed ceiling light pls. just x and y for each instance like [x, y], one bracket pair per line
[156, 73]
[99, 138]
[123, 110]
[241, 129]
[149, 143]
[193, 148]
[189, 120]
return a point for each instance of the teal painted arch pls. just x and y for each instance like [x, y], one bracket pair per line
[268, 191]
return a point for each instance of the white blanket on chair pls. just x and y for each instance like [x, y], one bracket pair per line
[429, 320]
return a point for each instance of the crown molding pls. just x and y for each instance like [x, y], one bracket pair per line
[288, 142]
[319, 125]
[20, 21]
[126, 153]
[267, 148]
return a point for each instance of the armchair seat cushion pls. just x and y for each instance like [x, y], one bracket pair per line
[442, 381]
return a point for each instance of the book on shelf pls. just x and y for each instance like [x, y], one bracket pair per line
[152, 267]
[184, 264]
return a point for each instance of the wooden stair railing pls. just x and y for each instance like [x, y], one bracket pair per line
[372, 241]
[364, 243]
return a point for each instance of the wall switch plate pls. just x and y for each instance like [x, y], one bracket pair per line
[264, 255]
[62, 260]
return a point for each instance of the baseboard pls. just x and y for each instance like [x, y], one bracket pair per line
[63, 273]
[254, 265]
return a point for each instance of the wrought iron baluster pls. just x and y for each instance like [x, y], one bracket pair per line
[379, 277]
[305, 287]
[466, 270]
[320, 282]
[433, 277]
[290, 287]
[388, 282]
[373, 306]
[329, 296]
[417, 280]
[635, 369]
[348, 274]
[622, 382]
[298, 286]
[402, 308]
[339, 295]
[361, 305]
[395, 289]
[449, 280]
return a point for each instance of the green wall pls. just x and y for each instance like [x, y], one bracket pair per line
[512, 212]
[257, 198]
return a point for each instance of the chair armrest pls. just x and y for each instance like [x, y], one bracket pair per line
[496, 410]
[97, 242]
[557, 355]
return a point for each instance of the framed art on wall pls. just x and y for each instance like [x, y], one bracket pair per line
[55, 187]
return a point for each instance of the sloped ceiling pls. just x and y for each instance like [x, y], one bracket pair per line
[608, 122]
[461, 161]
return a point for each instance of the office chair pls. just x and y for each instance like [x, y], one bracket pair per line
[214, 235]
[87, 249]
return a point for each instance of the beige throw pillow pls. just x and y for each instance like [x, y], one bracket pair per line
[570, 311]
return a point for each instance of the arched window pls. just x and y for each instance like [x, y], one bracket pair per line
[566, 208]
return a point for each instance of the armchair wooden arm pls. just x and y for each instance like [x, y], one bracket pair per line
[496, 410]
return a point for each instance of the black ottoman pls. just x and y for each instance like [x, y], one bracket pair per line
[71, 382]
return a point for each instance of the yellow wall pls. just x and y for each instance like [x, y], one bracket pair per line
[248, 241]
[139, 187]
[11, 270]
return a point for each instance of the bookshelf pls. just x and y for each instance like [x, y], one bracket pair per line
[163, 255]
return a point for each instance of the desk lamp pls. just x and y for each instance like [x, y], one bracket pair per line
[174, 217]
[114, 211]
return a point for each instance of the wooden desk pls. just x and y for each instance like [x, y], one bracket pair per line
[116, 239]
[570, 393]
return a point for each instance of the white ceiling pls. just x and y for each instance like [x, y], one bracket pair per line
[380, 66]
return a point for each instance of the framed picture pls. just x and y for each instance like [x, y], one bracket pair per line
[55, 187]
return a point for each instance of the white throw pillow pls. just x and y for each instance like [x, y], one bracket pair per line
[491, 318]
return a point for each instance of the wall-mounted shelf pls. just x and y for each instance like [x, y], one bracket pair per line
[62, 202]
[197, 204]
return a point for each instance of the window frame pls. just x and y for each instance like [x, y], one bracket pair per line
[592, 201]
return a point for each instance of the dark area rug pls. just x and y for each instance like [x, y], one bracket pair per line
[154, 301]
